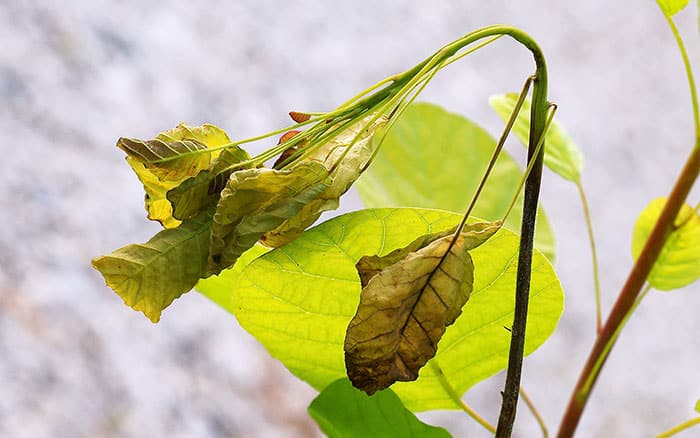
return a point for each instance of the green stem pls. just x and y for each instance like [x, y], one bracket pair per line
[452, 393]
[641, 269]
[594, 256]
[494, 157]
[528, 169]
[538, 118]
[681, 427]
[535, 413]
[629, 293]
[689, 74]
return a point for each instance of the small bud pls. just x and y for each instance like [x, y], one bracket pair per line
[299, 117]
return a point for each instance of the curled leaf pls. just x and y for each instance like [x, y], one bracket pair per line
[202, 191]
[159, 177]
[678, 264]
[182, 163]
[150, 276]
[256, 201]
[345, 156]
[405, 308]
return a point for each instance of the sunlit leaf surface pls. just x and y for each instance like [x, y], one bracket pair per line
[562, 155]
[299, 299]
[151, 275]
[678, 264]
[435, 159]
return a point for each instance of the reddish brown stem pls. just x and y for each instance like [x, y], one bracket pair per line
[635, 281]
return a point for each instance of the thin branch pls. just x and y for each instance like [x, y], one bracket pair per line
[449, 389]
[680, 428]
[535, 413]
[594, 256]
[628, 295]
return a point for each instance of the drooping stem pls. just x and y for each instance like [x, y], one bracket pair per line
[457, 399]
[538, 117]
[628, 295]
[494, 157]
[594, 256]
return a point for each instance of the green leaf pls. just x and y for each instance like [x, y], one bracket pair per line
[405, 308]
[697, 406]
[562, 155]
[345, 161]
[342, 411]
[678, 264]
[150, 276]
[297, 301]
[435, 159]
[672, 7]
[256, 201]
[220, 288]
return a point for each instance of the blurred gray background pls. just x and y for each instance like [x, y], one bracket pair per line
[76, 75]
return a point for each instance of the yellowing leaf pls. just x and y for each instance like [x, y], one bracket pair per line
[678, 264]
[672, 7]
[562, 155]
[202, 191]
[149, 152]
[345, 161]
[405, 309]
[256, 201]
[150, 276]
[697, 406]
[159, 178]
[158, 207]
[369, 266]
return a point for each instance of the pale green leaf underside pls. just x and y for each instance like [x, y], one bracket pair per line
[298, 300]
[435, 159]
[562, 155]
[150, 276]
[678, 264]
[342, 411]
[672, 7]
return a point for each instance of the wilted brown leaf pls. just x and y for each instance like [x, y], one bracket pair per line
[345, 162]
[410, 297]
